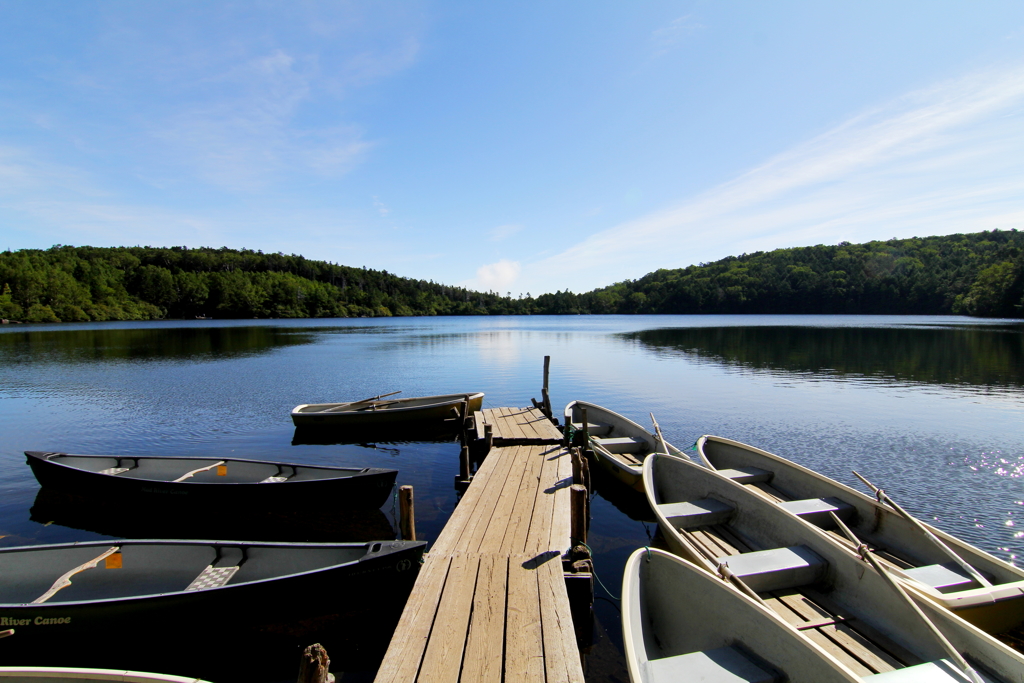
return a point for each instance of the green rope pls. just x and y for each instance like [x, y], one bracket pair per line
[594, 571]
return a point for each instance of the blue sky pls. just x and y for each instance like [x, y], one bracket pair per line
[526, 147]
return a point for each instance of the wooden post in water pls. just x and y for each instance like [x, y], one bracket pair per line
[313, 665]
[578, 503]
[545, 395]
[463, 478]
[406, 513]
[577, 466]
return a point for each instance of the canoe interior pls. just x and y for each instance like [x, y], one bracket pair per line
[233, 472]
[151, 568]
[893, 538]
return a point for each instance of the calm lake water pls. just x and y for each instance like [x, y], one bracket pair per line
[931, 408]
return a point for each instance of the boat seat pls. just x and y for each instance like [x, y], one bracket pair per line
[777, 568]
[622, 444]
[747, 475]
[696, 513]
[594, 428]
[940, 576]
[929, 672]
[816, 510]
[212, 577]
[721, 665]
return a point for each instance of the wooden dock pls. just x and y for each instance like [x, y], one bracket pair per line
[516, 427]
[490, 602]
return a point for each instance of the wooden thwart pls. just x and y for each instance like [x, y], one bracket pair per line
[490, 602]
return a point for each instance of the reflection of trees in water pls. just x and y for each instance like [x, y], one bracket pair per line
[968, 355]
[197, 343]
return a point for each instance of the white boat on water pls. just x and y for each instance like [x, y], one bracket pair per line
[918, 561]
[381, 410]
[619, 444]
[63, 674]
[682, 624]
[823, 590]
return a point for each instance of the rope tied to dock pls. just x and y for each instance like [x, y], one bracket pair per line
[594, 572]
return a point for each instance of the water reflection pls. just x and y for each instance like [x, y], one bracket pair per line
[142, 520]
[145, 344]
[976, 355]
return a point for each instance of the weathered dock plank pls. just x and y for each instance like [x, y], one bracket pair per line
[517, 426]
[490, 603]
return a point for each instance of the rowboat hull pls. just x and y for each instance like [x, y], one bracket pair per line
[424, 409]
[65, 674]
[233, 484]
[160, 587]
[994, 609]
[820, 586]
[680, 622]
[609, 431]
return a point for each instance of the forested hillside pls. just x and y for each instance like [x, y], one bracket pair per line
[980, 274]
[141, 283]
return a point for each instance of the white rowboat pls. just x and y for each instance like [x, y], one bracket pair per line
[914, 559]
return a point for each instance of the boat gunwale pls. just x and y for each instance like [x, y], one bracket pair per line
[349, 472]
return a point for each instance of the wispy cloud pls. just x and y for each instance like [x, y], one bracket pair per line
[665, 38]
[498, 275]
[381, 207]
[943, 159]
[503, 232]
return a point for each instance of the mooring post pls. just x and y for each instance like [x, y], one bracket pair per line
[578, 503]
[488, 436]
[313, 665]
[406, 513]
[544, 392]
[577, 466]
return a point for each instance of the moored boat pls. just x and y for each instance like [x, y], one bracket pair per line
[226, 483]
[619, 444]
[920, 563]
[827, 593]
[67, 674]
[382, 410]
[680, 623]
[102, 592]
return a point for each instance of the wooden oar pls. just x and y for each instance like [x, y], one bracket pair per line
[8, 632]
[661, 437]
[883, 497]
[870, 558]
[65, 580]
[347, 406]
[196, 471]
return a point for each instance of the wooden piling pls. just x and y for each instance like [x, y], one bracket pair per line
[578, 506]
[545, 395]
[407, 513]
[314, 664]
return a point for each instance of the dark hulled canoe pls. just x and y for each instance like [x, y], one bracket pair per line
[116, 592]
[213, 482]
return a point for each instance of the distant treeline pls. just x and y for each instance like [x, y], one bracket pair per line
[980, 274]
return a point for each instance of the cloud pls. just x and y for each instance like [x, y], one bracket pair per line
[498, 276]
[503, 232]
[381, 207]
[664, 39]
[939, 160]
